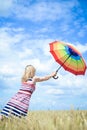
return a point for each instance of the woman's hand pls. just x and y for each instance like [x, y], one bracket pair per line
[54, 75]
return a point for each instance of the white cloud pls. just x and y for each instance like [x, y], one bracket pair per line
[67, 84]
[40, 10]
[82, 47]
[44, 66]
[10, 69]
[7, 39]
[82, 30]
[72, 81]
[24, 53]
[17, 50]
[6, 7]
[55, 91]
[81, 33]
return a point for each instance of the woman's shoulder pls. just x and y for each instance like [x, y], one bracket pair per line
[31, 80]
[37, 79]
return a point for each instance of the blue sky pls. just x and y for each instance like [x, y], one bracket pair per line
[26, 29]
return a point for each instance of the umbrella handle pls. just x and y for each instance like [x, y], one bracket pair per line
[55, 77]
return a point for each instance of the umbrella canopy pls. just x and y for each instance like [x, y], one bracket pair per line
[68, 57]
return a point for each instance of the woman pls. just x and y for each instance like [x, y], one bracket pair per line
[19, 103]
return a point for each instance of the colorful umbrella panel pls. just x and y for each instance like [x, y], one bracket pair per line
[68, 57]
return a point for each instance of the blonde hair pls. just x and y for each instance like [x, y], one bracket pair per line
[29, 73]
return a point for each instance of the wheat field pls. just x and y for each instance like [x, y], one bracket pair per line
[48, 120]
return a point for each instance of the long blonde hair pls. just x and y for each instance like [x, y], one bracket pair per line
[29, 73]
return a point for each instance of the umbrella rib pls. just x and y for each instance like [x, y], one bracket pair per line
[63, 52]
[63, 62]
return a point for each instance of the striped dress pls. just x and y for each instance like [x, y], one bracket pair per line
[19, 103]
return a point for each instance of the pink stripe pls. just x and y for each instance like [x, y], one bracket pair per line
[24, 92]
[17, 106]
[19, 102]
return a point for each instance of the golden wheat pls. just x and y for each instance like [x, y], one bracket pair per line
[48, 120]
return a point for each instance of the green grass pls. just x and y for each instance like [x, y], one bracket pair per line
[48, 120]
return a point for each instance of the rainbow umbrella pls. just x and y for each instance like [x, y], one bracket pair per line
[68, 57]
